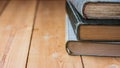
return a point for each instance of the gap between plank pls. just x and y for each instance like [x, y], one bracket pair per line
[82, 62]
[34, 20]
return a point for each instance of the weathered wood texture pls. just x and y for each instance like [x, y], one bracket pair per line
[101, 62]
[15, 31]
[48, 41]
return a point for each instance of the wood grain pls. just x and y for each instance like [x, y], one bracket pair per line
[48, 41]
[15, 31]
[3, 4]
[101, 62]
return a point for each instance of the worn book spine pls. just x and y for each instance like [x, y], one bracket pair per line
[76, 48]
[81, 4]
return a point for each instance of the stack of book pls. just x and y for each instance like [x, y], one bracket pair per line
[93, 27]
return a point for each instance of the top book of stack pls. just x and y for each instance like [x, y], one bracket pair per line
[98, 9]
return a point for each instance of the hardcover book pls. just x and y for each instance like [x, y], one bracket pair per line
[93, 29]
[97, 9]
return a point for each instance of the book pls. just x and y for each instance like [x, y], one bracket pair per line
[75, 47]
[93, 29]
[98, 9]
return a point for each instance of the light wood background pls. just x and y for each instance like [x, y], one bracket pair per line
[32, 35]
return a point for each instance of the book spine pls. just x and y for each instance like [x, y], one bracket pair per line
[76, 48]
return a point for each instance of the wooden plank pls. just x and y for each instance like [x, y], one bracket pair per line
[15, 31]
[48, 41]
[3, 4]
[101, 62]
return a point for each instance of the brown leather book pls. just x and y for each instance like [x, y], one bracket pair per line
[92, 48]
[98, 9]
[93, 29]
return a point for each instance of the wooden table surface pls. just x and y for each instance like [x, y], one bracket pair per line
[32, 35]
